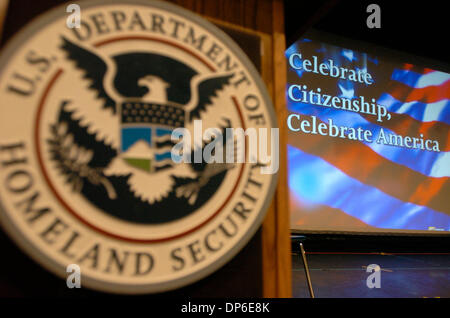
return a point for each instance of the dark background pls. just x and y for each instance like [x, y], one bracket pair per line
[419, 28]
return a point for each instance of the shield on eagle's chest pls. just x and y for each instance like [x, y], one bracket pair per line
[146, 130]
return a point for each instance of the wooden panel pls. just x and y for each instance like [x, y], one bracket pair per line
[3, 8]
[283, 245]
[265, 16]
[270, 233]
[252, 14]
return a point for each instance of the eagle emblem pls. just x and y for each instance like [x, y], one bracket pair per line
[119, 155]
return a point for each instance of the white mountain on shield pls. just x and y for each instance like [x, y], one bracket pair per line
[140, 154]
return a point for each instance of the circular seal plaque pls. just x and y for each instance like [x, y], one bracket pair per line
[87, 120]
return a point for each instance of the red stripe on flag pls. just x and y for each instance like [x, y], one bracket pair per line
[320, 216]
[417, 69]
[429, 94]
[428, 192]
[360, 162]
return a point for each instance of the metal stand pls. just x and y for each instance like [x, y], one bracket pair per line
[299, 239]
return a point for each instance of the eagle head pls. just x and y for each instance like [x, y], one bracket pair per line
[157, 89]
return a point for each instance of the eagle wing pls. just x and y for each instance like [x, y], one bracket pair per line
[203, 92]
[94, 68]
[98, 115]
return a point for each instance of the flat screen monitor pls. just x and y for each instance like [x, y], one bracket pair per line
[368, 139]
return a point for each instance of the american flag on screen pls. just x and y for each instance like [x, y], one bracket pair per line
[376, 185]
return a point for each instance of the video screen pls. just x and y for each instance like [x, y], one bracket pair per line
[368, 141]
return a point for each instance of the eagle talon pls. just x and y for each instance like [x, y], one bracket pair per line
[189, 191]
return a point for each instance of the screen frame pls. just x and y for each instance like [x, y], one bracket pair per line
[384, 54]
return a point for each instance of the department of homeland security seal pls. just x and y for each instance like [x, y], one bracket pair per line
[86, 119]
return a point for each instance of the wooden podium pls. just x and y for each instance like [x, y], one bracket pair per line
[263, 267]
